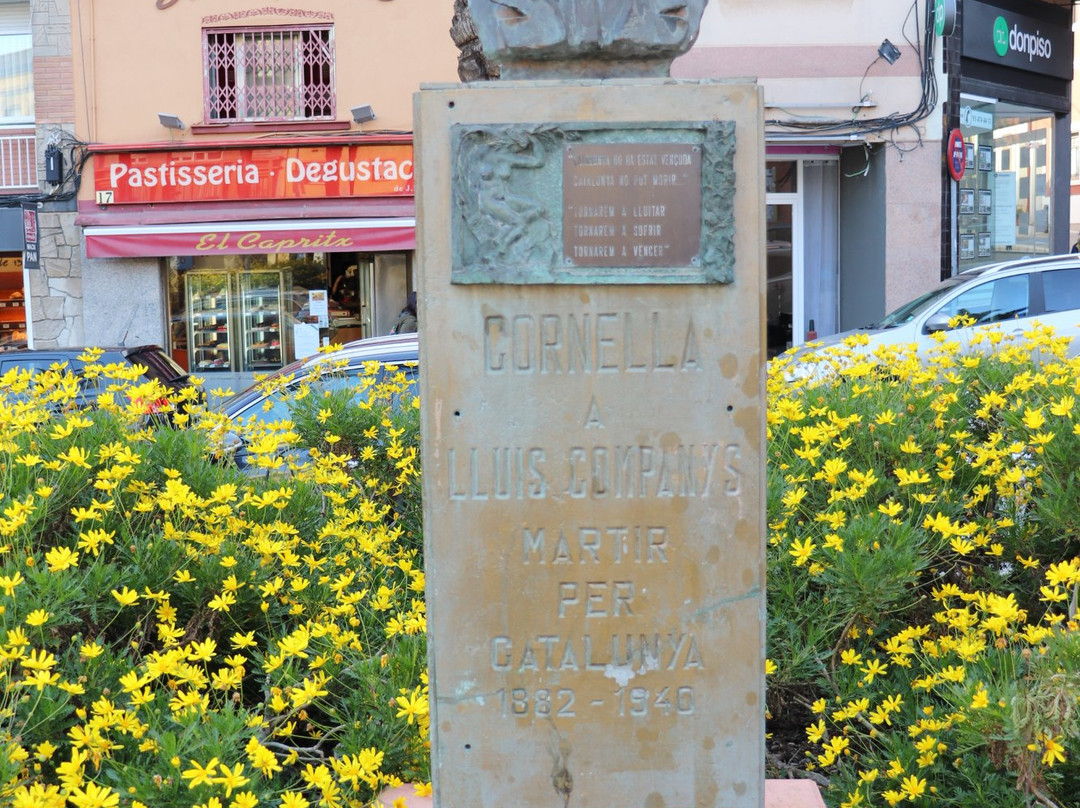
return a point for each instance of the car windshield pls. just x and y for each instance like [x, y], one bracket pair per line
[912, 309]
[240, 401]
[265, 406]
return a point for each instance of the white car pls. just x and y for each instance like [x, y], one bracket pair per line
[1009, 297]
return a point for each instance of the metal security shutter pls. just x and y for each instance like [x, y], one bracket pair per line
[14, 18]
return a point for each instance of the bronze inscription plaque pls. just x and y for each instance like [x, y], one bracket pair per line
[631, 204]
[584, 203]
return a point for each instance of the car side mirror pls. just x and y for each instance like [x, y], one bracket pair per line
[233, 448]
[936, 322]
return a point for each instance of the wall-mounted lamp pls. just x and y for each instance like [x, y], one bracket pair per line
[170, 121]
[888, 51]
[363, 113]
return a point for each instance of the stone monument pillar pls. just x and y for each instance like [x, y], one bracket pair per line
[591, 252]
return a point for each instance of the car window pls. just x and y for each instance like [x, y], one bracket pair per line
[33, 364]
[354, 377]
[1061, 290]
[911, 309]
[991, 302]
[276, 405]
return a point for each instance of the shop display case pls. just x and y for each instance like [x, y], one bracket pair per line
[261, 301]
[209, 321]
[235, 321]
[12, 322]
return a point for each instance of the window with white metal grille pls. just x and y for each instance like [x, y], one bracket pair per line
[269, 74]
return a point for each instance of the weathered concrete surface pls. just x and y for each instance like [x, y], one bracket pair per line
[593, 493]
[791, 794]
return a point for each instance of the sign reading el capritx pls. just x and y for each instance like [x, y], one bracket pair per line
[1000, 36]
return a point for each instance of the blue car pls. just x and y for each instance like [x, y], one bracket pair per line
[270, 400]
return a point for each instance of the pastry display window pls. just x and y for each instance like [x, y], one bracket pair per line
[256, 313]
[12, 302]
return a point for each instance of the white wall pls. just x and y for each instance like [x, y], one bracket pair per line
[816, 59]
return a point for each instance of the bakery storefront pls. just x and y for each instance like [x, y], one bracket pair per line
[267, 250]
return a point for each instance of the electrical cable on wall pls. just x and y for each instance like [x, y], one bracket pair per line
[924, 52]
[74, 155]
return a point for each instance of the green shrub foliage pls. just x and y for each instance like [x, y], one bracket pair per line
[174, 633]
[924, 570]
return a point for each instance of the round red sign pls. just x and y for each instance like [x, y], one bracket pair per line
[956, 152]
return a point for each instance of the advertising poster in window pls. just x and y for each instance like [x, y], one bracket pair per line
[31, 256]
[969, 156]
[319, 306]
[305, 340]
[967, 201]
[1004, 218]
[967, 246]
[984, 245]
[986, 158]
[986, 202]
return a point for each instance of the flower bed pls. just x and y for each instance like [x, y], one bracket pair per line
[923, 572]
[175, 634]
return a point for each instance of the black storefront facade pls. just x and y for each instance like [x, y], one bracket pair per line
[1009, 67]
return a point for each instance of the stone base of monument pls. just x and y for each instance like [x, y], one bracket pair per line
[778, 794]
[533, 320]
[792, 794]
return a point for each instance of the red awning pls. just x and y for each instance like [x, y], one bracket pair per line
[250, 238]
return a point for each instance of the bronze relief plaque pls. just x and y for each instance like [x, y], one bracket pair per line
[582, 204]
[631, 204]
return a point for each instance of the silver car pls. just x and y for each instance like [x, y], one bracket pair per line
[1009, 297]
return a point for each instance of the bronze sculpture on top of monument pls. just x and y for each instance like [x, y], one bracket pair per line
[566, 39]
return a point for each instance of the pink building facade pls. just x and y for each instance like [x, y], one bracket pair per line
[247, 190]
[861, 100]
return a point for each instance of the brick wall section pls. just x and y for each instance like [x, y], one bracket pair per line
[54, 99]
